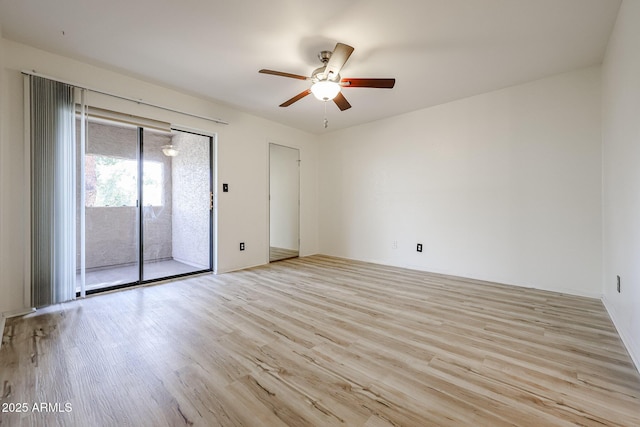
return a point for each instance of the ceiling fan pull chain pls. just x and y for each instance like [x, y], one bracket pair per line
[326, 122]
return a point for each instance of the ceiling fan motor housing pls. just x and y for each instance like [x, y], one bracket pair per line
[324, 56]
[319, 73]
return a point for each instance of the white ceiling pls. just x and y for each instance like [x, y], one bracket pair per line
[438, 50]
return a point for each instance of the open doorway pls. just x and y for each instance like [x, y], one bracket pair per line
[284, 202]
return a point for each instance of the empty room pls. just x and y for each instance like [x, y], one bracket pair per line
[297, 213]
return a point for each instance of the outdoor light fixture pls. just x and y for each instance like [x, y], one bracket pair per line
[325, 90]
[170, 150]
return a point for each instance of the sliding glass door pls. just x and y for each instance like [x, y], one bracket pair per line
[146, 205]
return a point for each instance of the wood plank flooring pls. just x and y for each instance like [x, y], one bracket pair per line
[319, 341]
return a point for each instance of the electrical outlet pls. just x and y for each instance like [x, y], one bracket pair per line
[618, 283]
[419, 247]
[225, 188]
[242, 246]
[394, 245]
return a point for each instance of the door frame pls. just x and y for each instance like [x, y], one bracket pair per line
[213, 218]
[269, 197]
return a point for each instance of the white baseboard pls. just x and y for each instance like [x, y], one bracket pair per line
[239, 268]
[632, 348]
[19, 312]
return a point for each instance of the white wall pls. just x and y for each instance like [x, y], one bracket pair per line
[503, 186]
[621, 175]
[12, 198]
[242, 160]
[8, 243]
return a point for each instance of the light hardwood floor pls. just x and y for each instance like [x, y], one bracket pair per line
[321, 341]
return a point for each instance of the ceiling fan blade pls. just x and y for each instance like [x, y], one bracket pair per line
[375, 83]
[341, 102]
[298, 97]
[339, 57]
[280, 73]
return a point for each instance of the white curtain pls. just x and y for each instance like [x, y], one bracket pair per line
[53, 191]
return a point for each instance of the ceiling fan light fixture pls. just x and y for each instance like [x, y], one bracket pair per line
[169, 150]
[325, 90]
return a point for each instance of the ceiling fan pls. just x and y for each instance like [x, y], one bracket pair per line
[326, 81]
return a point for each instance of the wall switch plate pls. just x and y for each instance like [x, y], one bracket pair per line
[225, 188]
[618, 283]
[242, 246]
[394, 245]
[419, 247]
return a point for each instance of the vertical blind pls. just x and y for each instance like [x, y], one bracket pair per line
[53, 189]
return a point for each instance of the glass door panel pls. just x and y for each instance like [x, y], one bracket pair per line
[176, 211]
[111, 229]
